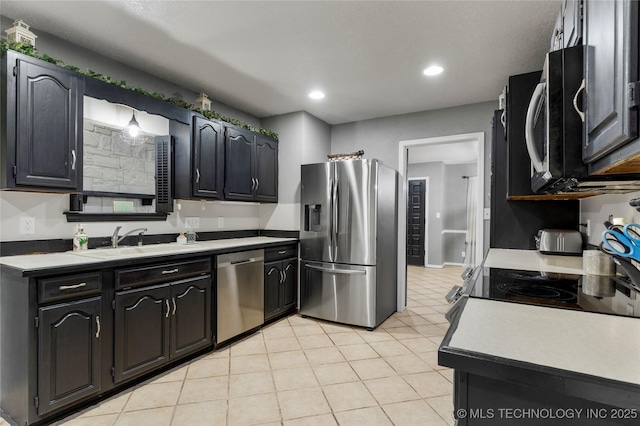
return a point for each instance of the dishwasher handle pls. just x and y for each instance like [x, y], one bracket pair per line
[337, 271]
[239, 262]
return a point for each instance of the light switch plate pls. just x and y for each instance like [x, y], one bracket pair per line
[487, 214]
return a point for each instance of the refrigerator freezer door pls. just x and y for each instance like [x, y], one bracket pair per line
[355, 212]
[316, 208]
[340, 293]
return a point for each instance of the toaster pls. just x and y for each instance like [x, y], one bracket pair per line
[559, 241]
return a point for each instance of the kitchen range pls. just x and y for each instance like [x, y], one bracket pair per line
[534, 332]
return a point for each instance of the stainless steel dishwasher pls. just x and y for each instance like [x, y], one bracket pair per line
[240, 293]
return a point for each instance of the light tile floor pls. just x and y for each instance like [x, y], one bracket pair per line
[299, 371]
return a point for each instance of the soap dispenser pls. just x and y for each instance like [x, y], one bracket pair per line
[181, 239]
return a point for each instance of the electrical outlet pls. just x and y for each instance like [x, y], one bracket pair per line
[27, 225]
[464, 254]
[192, 222]
[487, 214]
[437, 215]
[220, 222]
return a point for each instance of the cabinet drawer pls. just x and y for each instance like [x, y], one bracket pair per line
[162, 272]
[282, 252]
[69, 286]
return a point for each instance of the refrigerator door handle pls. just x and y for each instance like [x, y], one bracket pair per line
[337, 271]
[331, 223]
[334, 219]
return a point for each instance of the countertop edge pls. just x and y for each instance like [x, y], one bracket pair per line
[95, 263]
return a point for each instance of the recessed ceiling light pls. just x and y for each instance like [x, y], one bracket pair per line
[433, 70]
[316, 94]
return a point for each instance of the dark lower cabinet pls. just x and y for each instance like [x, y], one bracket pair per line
[190, 316]
[280, 281]
[141, 331]
[69, 352]
[158, 324]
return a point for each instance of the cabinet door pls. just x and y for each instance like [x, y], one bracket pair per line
[272, 283]
[68, 353]
[572, 23]
[266, 169]
[49, 127]
[288, 293]
[239, 183]
[611, 57]
[208, 158]
[190, 315]
[141, 331]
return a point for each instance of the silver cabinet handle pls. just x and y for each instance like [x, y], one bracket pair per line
[98, 323]
[282, 252]
[73, 159]
[174, 305]
[271, 270]
[170, 271]
[197, 175]
[168, 308]
[257, 183]
[337, 271]
[281, 277]
[71, 287]
[575, 100]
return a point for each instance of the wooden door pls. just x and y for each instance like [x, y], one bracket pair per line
[49, 127]
[208, 158]
[266, 172]
[288, 293]
[190, 315]
[610, 64]
[141, 331]
[69, 353]
[415, 222]
[239, 183]
[272, 283]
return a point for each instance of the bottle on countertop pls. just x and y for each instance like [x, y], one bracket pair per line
[80, 239]
[181, 239]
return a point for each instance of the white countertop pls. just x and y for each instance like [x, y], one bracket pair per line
[532, 260]
[601, 345]
[34, 262]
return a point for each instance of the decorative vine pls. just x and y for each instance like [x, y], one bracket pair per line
[30, 50]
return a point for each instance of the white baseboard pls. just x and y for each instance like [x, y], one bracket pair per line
[452, 264]
[434, 266]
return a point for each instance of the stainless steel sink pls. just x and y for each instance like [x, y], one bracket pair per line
[133, 251]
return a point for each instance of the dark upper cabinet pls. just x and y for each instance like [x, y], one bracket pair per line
[251, 166]
[44, 125]
[611, 68]
[69, 337]
[568, 28]
[207, 174]
[266, 169]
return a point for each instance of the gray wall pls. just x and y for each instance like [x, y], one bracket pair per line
[447, 196]
[86, 59]
[380, 137]
[303, 139]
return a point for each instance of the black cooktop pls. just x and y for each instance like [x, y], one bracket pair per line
[581, 292]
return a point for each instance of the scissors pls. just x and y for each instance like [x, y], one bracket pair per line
[623, 241]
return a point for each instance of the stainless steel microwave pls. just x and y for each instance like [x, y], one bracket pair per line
[554, 132]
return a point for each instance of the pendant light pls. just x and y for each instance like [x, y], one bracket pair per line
[133, 134]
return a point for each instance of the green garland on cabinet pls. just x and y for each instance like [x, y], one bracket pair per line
[29, 50]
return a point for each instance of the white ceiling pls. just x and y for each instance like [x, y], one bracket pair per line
[263, 57]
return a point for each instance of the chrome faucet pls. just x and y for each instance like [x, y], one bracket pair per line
[115, 239]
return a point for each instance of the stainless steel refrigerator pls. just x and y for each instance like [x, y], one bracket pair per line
[348, 241]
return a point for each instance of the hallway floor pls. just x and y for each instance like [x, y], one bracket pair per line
[300, 371]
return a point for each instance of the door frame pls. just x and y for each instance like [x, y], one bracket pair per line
[426, 215]
[403, 154]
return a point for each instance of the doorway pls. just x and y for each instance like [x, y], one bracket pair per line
[416, 221]
[477, 139]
